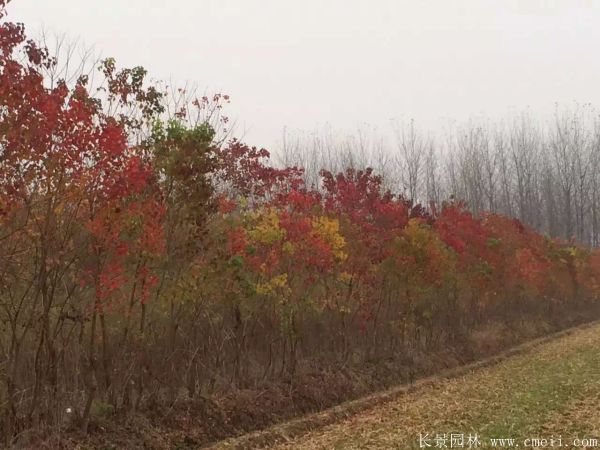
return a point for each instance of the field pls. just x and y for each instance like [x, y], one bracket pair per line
[550, 391]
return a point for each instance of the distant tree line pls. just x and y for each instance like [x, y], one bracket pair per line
[546, 174]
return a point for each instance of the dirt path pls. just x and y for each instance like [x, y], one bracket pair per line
[551, 391]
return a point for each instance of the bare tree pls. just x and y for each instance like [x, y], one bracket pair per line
[410, 158]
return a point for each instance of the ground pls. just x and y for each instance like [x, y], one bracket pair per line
[551, 391]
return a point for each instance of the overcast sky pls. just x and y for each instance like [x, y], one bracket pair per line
[302, 64]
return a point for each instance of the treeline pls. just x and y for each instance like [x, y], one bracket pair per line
[142, 263]
[545, 173]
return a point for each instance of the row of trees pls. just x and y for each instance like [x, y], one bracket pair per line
[547, 174]
[142, 262]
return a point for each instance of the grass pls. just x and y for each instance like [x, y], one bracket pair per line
[551, 391]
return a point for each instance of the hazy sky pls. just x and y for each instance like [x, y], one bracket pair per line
[305, 63]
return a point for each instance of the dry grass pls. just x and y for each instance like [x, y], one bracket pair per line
[550, 390]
